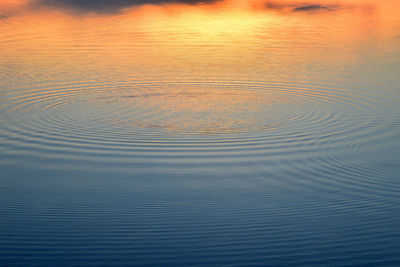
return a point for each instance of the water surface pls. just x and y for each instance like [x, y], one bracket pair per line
[227, 133]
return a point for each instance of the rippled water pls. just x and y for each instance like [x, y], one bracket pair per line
[213, 134]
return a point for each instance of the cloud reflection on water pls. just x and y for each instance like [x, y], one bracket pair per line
[10, 7]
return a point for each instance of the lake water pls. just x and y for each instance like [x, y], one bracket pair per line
[228, 133]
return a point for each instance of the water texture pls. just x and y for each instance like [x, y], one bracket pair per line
[216, 134]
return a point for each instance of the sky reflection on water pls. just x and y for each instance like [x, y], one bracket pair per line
[186, 133]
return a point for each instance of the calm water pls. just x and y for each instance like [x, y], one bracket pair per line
[214, 134]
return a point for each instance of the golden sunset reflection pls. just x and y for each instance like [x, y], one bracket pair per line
[233, 40]
[194, 108]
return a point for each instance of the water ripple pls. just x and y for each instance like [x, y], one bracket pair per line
[184, 124]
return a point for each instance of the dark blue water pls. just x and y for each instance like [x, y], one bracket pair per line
[129, 140]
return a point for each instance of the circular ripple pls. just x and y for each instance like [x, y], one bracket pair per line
[194, 125]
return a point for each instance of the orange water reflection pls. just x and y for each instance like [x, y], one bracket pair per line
[226, 40]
